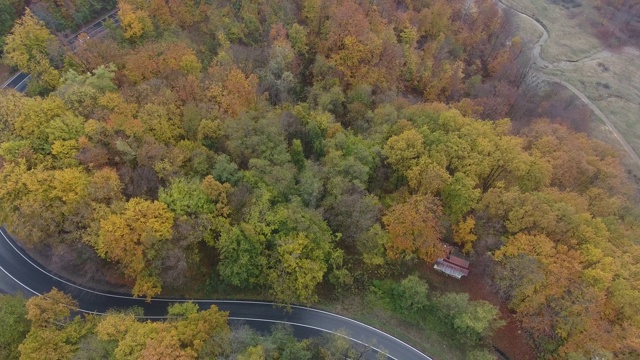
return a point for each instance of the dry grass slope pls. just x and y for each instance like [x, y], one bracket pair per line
[609, 78]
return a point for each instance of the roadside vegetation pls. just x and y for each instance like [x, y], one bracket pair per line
[313, 150]
[45, 327]
[61, 17]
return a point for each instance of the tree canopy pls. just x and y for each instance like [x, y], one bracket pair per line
[304, 150]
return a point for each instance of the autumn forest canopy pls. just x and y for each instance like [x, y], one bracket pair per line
[306, 149]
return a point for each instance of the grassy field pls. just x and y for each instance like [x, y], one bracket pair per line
[369, 311]
[611, 80]
[613, 84]
[568, 40]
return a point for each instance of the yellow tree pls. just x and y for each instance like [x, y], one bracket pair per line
[236, 92]
[414, 228]
[298, 269]
[52, 336]
[132, 238]
[403, 151]
[135, 22]
[189, 335]
[50, 308]
[463, 234]
[27, 49]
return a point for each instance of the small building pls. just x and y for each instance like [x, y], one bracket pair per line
[452, 266]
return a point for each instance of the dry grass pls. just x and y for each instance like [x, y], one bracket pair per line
[613, 84]
[568, 38]
[527, 30]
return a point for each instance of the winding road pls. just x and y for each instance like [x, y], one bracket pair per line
[19, 81]
[541, 63]
[21, 273]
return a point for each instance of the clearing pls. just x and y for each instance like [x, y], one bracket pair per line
[606, 79]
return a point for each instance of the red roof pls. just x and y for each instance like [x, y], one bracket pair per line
[453, 266]
[457, 261]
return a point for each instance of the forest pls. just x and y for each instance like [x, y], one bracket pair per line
[307, 149]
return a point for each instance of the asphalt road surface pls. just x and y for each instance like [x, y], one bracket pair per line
[20, 272]
[20, 80]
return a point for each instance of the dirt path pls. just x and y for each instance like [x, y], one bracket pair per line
[541, 63]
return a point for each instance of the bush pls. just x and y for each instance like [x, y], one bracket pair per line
[473, 321]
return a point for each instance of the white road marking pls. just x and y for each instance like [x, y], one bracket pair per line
[202, 301]
[10, 80]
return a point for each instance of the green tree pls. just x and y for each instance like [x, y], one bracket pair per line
[13, 315]
[413, 295]
[302, 249]
[459, 196]
[243, 259]
[8, 14]
[186, 197]
[298, 267]
[473, 320]
[81, 92]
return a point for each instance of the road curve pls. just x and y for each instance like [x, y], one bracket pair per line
[20, 272]
[541, 63]
[20, 80]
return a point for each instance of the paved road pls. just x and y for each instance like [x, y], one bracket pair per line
[20, 80]
[20, 272]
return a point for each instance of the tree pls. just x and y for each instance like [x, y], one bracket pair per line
[133, 239]
[50, 309]
[403, 151]
[427, 178]
[186, 197]
[413, 295]
[243, 259]
[298, 267]
[253, 353]
[81, 92]
[28, 48]
[300, 249]
[463, 234]
[53, 335]
[135, 22]
[179, 338]
[236, 92]
[8, 14]
[414, 228]
[473, 320]
[459, 196]
[49, 343]
[15, 325]
[65, 191]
